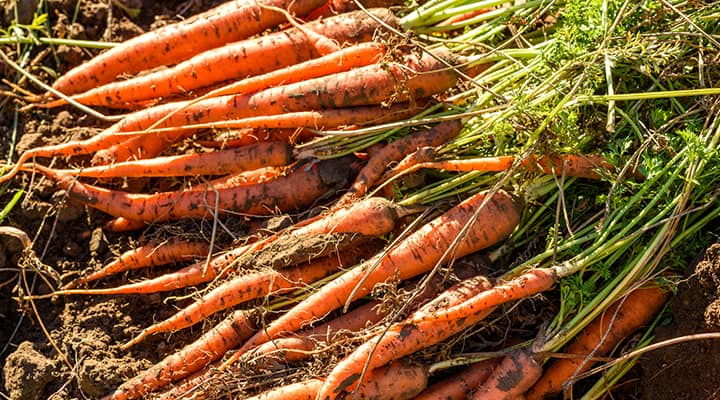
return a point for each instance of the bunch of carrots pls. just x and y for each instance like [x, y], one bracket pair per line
[282, 82]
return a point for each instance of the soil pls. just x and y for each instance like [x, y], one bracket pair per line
[69, 348]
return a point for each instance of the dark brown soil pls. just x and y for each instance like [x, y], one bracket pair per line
[81, 358]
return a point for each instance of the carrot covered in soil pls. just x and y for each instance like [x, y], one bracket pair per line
[250, 57]
[395, 151]
[460, 385]
[209, 347]
[230, 22]
[299, 188]
[148, 255]
[600, 337]
[251, 286]
[372, 217]
[221, 162]
[417, 253]
[514, 374]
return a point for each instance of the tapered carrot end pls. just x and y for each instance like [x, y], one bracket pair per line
[137, 339]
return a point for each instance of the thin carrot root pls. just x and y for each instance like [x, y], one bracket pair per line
[148, 255]
[193, 357]
[495, 220]
[600, 337]
[458, 386]
[515, 373]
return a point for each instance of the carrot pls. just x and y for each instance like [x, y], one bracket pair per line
[600, 337]
[460, 385]
[193, 357]
[239, 60]
[462, 17]
[303, 186]
[395, 151]
[515, 373]
[221, 162]
[151, 254]
[371, 217]
[121, 224]
[226, 23]
[334, 7]
[571, 165]
[418, 253]
[138, 145]
[254, 177]
[423, 329]
[250, 286]
[342, 60]
[398, 381]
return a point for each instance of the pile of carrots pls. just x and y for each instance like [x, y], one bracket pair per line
[279, 73]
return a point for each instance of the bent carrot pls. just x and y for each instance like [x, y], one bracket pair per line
[515, 373]
[226, 23]
[395, 151]
[419, 252]
[148, 255]
[315, 179]
[259, 155]
[460, 385]
[251, 286]
[193, 357]
[600, 337]
[250, 57]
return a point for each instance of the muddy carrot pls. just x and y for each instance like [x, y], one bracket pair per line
[193, 357]
[395, 151]
[151, 254]
[514, 374]
[297, 189]
[208, 163]
[230, 22]
[254, 177]
[251, 286]
[121, 224]
[418, 253]
[600, 337]
[460, 385]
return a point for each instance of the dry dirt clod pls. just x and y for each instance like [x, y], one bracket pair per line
[26, 373]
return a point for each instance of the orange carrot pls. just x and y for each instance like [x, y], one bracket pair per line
[138, 145]
[462, 17]
[193, 357]
[600, 337]
[303, 186]
[515, 373]
[423, 329]
[121, 224]
[460, 385]
[239, 60]
[371, 217]
[148, 255]
[221, 162]
[418, 253]
[250, 286]
[254, 177]
[395, 151]
[304, 390]
[226, 23]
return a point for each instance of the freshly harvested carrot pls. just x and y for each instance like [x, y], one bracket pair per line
[230, 22]
[462, 17]
[193, 357]
[460, 385]
[254, 177]
[600, 337]
[515, 373]
[120, 224]
[571, 165]
[371, 217]
[423, 329]
[259, 155]
[359, 55]
[334, 7]
[419, 252]
[303, 186]
[251, 286]
[148, 255]
[304, 390]
[395, 151]
[139, 145]
[238, 60]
